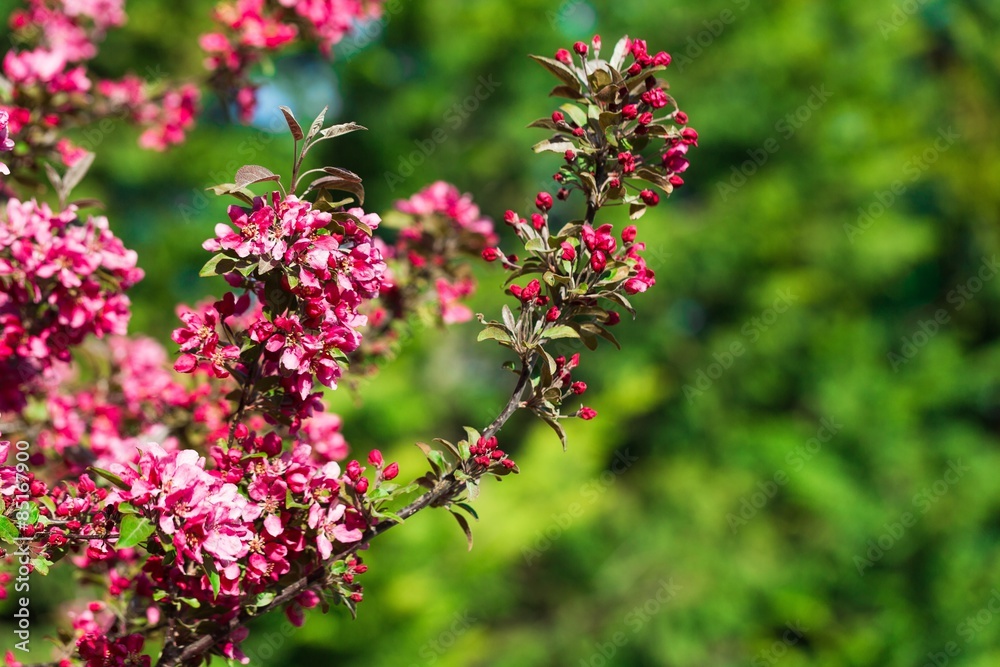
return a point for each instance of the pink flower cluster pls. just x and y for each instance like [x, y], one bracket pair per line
[6, 143]
[441, 212]
[250, 29]
[310, 276]
[63, 279]
[53, 87]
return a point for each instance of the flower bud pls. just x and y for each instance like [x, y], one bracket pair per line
[581, 48]
[578, 132]
[375, 458]
[578, 387]
[491, 254]
[586, 413]
[628, 234]
[598, 261]
[552, 315]
[650, 197]
[562, 55]
[361, 486]
[680, 118]
[596, 41]
[569, 155]
[558, 117]
[537, 221]
[568, 251]
[391, 471]
[630, 111]
[613, 318]
[543, 201]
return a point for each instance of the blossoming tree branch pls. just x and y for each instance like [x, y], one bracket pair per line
[193, 489]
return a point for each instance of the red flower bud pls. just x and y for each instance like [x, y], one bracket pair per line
[598, 261]
[491, 254]
[568, 251]
[662, 59]
[562, 55]
[558, 117]
[510, 217]
[552, 315]
[543, 201]
[630, 111]
[587, 413]
[650, 197]
[680, 118]
[507, 463]
[615, 183]
[578, 387]
[570, 155]
[563, 194]
[676, 181]
[634, 69]
[581, 48]
[361, 486]
[391, 471]
[375, 458]
[596, 41]
[628, 234]
[613, 319]
[646, 118]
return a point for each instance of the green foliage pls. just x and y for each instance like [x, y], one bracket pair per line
[755, 436]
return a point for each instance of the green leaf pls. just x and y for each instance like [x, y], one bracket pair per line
[464, 523]
[254, 173]
[41, 565]
[213, 576]
[537, 244]
[134, 529]
[110, 476]
[555, 146]
[8, 531]
[570, 92]
[618, 55]
[344, 128]
[636, 211]
[127, 508]
[293, 124]
[576, 114]
[564, 72]
[264, 599]
[546, 124]
[217, 266]
[494, 332]
[557, 427]
[560, 331]
[317, 124]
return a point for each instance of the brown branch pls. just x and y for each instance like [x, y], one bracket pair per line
[447, 487]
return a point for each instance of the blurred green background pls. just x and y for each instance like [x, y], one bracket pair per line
[795, 461]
